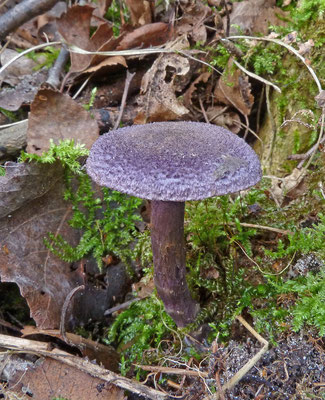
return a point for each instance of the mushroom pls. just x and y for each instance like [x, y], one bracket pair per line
[169, 163]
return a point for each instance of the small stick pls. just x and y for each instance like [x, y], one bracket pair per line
[128, 80]
[55, 72]
[64, 311]
[169, 370]
[203, 111]
[121, 306]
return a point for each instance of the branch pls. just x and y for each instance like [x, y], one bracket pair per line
[21, 13]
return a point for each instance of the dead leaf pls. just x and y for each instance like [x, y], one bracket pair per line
[234, 89]
[228, 119]
[107, 62]
[104, 355]
[49, 378]
[254, 16]
[192, 21]
[158, 100]
[24, 92]
[320, 98]
[144, 287]
[74, 26]
[57, 116]
[154, 34]
[140, 11]
[191, 90]
[43, 279]
[25, 182]
[305, 48]
[16, 71]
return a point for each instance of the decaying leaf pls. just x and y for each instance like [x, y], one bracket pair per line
[255, 16]
[107, 62]
[104, 355]
[219, 115]
[74, 26]
[158, 100]
[57, 116]
[24, 91]
[305, 48]
[192, 21]
[204, 77]
[25, 182]
[320, 98]
[43, 279]
[140, 11]
[234, 89]
[49, 379]
[148, 35]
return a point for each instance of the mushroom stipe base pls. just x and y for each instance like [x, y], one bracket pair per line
[168, 248]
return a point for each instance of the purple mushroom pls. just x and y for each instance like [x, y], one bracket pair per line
[169, 163]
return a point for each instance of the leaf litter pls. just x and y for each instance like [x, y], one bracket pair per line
[175, 86]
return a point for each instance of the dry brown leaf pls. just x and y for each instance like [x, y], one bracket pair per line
[140, 11]
[43, 279]
[154, 34]
[24, 91]
[74, 26]
[158, 100]
[320, 99]
[49, 378]
[192, 21]
[57, 116]
[190, 91]
[144, 287]
[228, 119]
[234, 89]
[107, 62]
[104, 355]
[255, 16]
[305, 48]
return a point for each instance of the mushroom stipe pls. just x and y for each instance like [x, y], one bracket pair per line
[169, 163]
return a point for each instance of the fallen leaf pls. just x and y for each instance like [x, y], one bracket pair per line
[254, 16]
[320, 99]
[144, 287]
[140, 11]
[25, 182]
[158, 98]
[192, 21]
[24, 91]
[107, 62]
[74, 26]
[148, 35]
[43, 279]
[204, 77]
[305, 48]
[49, 379]
[57, 116]
[234, 89]
[228, 119]
[16, 71]
[104, 355]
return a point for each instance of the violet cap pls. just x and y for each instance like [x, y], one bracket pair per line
[173, 161]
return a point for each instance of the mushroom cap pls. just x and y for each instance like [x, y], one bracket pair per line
[173, 161]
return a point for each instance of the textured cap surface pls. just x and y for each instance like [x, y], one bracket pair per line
[174, 161]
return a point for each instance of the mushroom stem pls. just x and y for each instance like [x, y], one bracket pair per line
[167, 239]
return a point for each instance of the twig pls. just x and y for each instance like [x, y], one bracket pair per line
[128, 80]
[287, 46]
[264, 228]
[64, 311]
[170, 370]
[273, 126]
[224, 4]
[250, 364]
[55, 72]
[203, 111]
[21, 13]
[120, 306]
[257, 77]
[42, 349]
